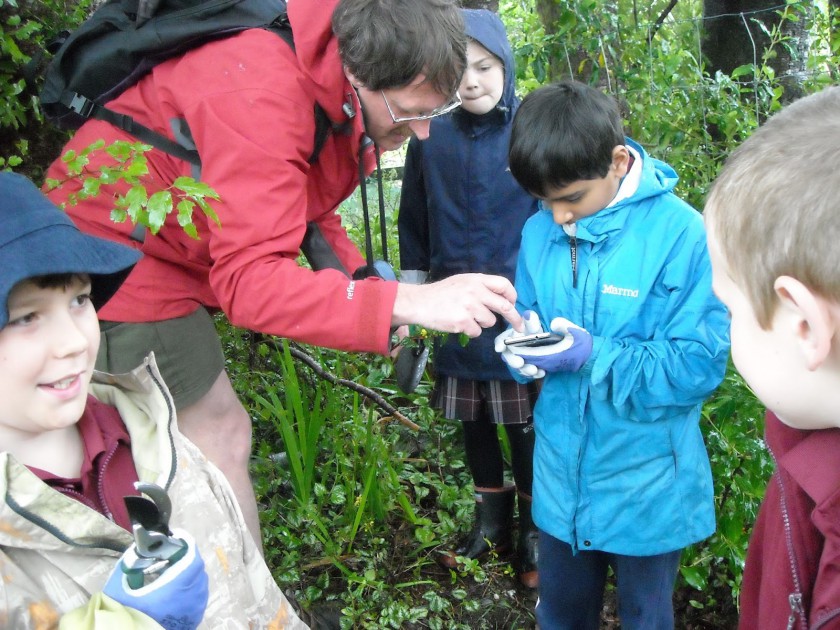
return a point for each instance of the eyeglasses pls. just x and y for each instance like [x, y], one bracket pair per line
[440, 111]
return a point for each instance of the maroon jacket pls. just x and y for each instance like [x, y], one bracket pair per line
[792, 574]
[108, 473]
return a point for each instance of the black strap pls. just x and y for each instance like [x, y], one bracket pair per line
[382, 232]
[318, 251]
[323, 128]
[87, 108]
[365, 214]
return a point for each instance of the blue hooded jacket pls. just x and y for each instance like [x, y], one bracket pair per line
[620, 464]
[461, 210]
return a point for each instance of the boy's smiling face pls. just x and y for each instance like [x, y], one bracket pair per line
[47, 353]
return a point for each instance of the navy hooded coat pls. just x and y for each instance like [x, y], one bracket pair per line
[461, 210]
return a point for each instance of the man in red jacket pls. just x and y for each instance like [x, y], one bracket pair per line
[772, 223]
[379, 70]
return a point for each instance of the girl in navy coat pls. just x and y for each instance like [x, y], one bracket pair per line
[462, 211]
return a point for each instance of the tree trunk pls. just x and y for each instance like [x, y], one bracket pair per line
[733, 38]
[564, 64]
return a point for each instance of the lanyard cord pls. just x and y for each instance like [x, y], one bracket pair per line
[366, 212]
[382, 234]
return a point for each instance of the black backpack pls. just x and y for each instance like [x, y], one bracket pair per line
[124, 39]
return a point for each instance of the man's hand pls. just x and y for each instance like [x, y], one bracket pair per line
[465, 303]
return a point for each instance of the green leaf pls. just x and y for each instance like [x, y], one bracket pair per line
[137, 167]
[194, 188]
[191, 231]
[136, 196]
[110, 174]
[208, 211]
[90, 187]
[120, 150]
[185, 212]
[160, 204]
[741, 71]
[694, 576]
[93, 147]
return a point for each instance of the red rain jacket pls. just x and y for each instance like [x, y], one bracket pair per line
[248, 102]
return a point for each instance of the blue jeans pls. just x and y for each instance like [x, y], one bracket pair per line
[572, 587]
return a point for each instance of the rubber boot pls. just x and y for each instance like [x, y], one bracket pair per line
[527, 547]
[493, 522]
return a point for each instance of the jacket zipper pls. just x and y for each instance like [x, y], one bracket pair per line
[78, 496]
[169, 426]
[99, 543]
[795, 598]
[100, 482]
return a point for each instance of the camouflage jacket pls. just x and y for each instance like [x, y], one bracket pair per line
[55, 552]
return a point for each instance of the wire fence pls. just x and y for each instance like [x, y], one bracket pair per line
[661, 31]
[657, 69]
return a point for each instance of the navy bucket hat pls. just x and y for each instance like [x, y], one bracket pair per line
[37, 238]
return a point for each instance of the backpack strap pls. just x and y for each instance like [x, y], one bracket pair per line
[87, 108]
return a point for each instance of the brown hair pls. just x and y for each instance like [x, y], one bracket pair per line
[388, 43]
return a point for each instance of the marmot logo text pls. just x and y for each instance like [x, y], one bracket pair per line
[612, 290]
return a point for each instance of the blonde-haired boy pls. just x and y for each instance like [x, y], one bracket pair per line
[773, 223]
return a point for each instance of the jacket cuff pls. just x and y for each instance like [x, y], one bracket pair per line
[413, 276]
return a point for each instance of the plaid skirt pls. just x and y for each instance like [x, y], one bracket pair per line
[501, 402]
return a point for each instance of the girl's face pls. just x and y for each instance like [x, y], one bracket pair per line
[483, 81]
[47, 353]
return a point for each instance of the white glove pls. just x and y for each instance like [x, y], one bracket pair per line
[516, 363]
[570, 351]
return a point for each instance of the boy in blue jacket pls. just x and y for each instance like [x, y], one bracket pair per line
[462, 211]
[617, 266]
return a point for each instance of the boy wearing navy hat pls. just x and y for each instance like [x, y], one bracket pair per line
[73, 442]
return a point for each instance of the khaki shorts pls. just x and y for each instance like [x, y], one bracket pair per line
[187, 350]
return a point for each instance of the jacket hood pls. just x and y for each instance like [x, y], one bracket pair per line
[316, 48]
[656, 178]
[487, 29]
